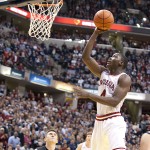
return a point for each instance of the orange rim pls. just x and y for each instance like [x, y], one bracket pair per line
[48, 5]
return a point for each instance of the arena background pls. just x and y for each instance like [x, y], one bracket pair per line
[37, 78]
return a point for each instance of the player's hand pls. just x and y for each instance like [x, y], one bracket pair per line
[99, 31]
[80, 93]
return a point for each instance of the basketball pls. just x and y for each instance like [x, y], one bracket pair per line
[103, 19]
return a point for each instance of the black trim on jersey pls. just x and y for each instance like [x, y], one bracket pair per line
[42, 148]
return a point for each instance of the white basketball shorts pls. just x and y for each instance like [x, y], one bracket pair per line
[109, 132]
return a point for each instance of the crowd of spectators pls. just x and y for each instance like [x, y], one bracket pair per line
[144, 6]
[77, 73]
[23, 53]
[77, 35]
[86, 9]
[24, 121]
[139, 70]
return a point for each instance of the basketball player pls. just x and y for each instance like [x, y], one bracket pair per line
[145, 140]
[87, 144]
[51, 140]
[110, 127]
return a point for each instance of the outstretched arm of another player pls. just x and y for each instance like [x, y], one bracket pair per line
[91, 63]
[120, 92]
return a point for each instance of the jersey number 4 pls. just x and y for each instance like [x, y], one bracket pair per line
[103, 93]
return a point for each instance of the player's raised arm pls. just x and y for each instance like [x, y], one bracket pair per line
[91, 63]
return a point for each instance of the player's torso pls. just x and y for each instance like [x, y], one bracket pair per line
[107, 86]
[84, 147]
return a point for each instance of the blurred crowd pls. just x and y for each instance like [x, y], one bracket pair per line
[76, 35]
[77, 73]
[129, 12]
[24, 121]
[81, 37]
[24, 53]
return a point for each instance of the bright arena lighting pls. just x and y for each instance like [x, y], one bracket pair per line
[144, 19]
[3, 0]
[138, 25]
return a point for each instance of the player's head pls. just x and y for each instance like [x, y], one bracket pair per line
[117, 60]
[51, 136]
[88, 136]
[148, 128]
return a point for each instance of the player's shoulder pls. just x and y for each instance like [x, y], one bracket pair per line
[125, 77]
[125, 81]
[79, 146]
[146, 135]
[145, 138]
[105, 72]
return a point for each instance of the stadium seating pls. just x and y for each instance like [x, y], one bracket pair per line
[125, 12]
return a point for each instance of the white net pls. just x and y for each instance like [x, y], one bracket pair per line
[42, 16]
